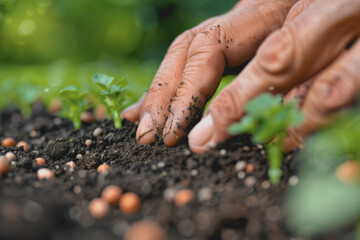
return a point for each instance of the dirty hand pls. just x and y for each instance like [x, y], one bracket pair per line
[309, 57]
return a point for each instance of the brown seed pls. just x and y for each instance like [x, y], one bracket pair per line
[40, 161]
[249, 168]
[8, 142]
[10, 156]
[23, 144]
[87, 117]
[45, 173]
[54, 106]
[129, 203]
[71, 164]
[183, 197]
[100, 112]
[98, 208]
[4, 166]
[348, 172]
[145, 230]
[103, 167]
[112, 194]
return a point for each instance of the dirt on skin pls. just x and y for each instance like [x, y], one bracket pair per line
[230, 202]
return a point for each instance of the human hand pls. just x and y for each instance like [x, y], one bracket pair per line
[311, 57]
[194, 65]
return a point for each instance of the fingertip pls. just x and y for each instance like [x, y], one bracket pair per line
[147, 138]
[145, 133]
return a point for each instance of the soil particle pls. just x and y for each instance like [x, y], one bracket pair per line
[57, 148]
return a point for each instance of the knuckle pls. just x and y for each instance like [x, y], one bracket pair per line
[335, 90]
[181, 42]
[276, 55]
[212, 38]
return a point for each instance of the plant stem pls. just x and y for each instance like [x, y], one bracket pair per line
[117, 119]
[275, 156]
[357, 234]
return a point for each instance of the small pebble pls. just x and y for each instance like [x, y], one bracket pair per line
[112, 194]
[4, 166]
[87, 117]
[249, 168]
[10, 156]
[240, 165]
[8, 142]
[40, 161]
[183, 197]
[45, 173]
[71, 164]
[97, 132]
[129, 203]
[145, 230]
[259, 146]
[88, 142]
[348, 172]
[98, 208]
[194, 172]
[77, 189]
[103, 167]
[23, 144]
[79, 156]
[250, 181]
[187, 152]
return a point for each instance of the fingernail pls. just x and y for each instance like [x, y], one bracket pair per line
[168, 126]
[202, 132]
[144, 133]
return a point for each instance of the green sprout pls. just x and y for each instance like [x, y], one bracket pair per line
[267, 119]
[112, 95]
[73, 104]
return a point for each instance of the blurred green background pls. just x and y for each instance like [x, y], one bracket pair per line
[47, 44]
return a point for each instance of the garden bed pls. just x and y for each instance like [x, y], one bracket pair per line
[233, 197]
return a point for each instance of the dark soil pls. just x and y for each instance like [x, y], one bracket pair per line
[229, 204]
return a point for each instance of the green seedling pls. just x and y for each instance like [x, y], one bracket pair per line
[73, 104]
[324, 200]
[112, 95]
[267, 120]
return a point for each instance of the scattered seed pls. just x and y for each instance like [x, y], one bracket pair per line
[40, 161]
[103, 167]
[249, 168]
[187, 152]
[97, 132]
[240, 165]
[265, 184]
[33, 133]
[241, 175]
[246, 148]
[129, 203]
[250, 181]
[293, 180]
[169, 194]
[145, 230]
[194, 172]
[348, 172]
[4, 166]
[222, 152]
[183, 197]
[8, 142]
[79, 156]
[259, 146]
[71, 164]
[88, 142]
[77, 189]
[87, 117]
[45, 173]
[23, 144]
[98, 208]
[161, 164]
[112, 194]
[205, 194]
[10, 156]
